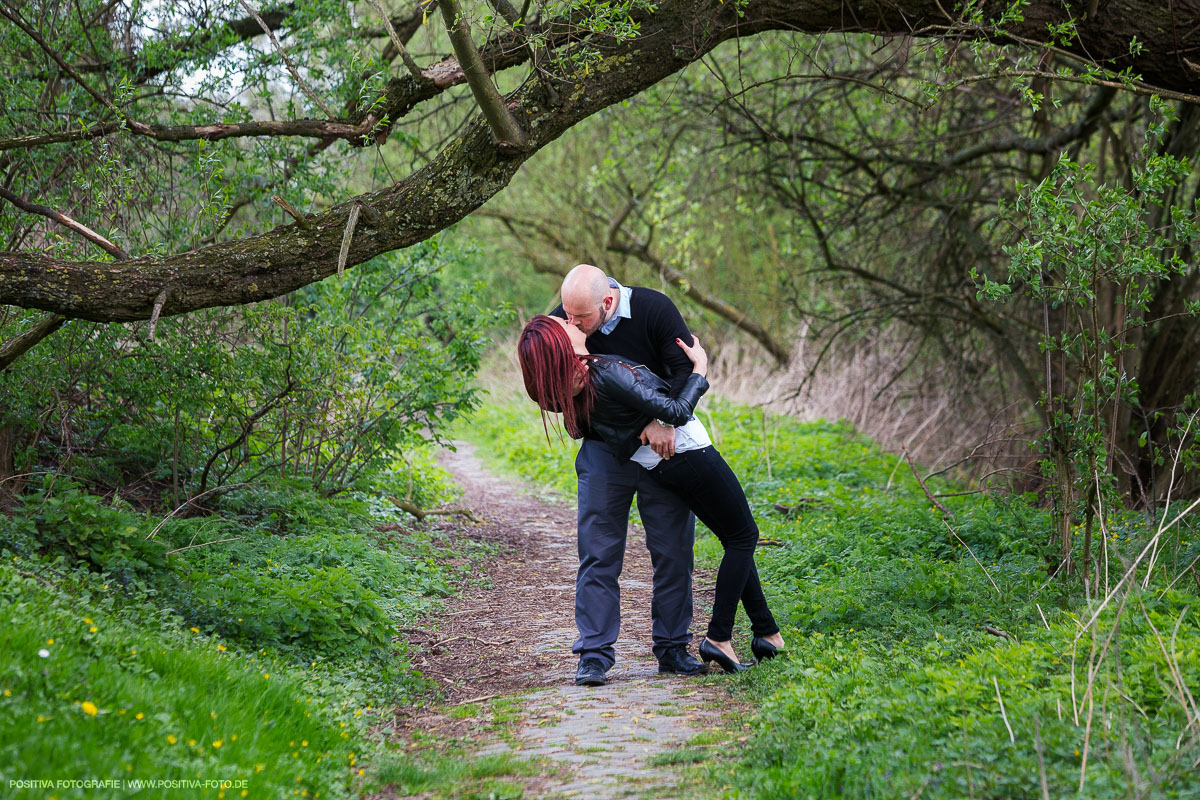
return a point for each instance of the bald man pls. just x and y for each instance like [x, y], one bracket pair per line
[642, 325]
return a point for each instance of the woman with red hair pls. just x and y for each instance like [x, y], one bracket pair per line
[613, 399]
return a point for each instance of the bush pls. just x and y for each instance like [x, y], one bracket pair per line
[66, 520]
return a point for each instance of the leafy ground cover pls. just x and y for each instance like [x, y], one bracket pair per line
[255, 645]
[930, 655]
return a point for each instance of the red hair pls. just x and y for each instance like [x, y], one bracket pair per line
[550, 367]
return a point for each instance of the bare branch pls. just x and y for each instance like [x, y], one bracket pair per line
[292, 212]
[641, 251]
[413, 69]
[64, 220]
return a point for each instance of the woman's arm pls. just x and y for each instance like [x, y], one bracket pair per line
[642, 390]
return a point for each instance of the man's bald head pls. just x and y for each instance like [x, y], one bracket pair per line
[587, 298]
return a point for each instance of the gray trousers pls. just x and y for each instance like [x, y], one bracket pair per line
[606, 490]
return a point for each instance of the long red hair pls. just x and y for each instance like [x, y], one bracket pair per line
[550, 367]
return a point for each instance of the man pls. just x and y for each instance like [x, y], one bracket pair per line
[642, 325]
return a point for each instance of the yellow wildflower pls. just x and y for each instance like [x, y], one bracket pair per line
[89, 708]
[171, 738]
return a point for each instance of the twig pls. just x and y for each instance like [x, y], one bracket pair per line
[36, 577]
[187, 503]
[287, 61]
[158, 307]
[972, 552]
[945, 511]
[1037, 743]
[400, 48]
[301, 220]
[1133, 567]
[476, 699]
[1011, 737]
[1000, 633]
[1043, 616]
[421, 513]
[351, 224]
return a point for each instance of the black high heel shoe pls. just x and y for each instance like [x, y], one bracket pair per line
[710, 652]
[763, 649]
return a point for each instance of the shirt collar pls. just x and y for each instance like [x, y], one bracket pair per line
[622, 311]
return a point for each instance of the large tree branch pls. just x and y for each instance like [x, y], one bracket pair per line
[470, 170]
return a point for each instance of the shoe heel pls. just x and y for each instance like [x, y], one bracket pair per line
[762, 649]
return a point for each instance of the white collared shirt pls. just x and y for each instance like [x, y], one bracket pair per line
[622, 311]
[691, 436]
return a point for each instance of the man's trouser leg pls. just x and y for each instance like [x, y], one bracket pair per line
[670, 536]
[606, 488]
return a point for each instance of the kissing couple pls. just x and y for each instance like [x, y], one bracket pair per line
[621, 367]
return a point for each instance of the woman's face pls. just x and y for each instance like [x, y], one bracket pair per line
[578, 338]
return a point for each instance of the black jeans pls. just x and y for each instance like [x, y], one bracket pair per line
[708, 486]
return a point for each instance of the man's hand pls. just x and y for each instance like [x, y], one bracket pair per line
[661, 438]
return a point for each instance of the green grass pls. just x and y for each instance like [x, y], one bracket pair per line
[92, 690]
[262, 649]
[892, 687]
[484, 778]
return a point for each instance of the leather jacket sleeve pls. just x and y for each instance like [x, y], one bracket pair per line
[645, 392]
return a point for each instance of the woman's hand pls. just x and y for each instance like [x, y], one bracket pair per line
[695, 354]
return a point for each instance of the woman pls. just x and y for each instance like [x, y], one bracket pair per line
[616, 399]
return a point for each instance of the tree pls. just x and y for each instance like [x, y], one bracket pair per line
[95, 73]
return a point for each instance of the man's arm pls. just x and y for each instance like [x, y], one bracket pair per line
[665, 327]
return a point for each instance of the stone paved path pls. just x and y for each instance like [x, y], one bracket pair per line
[514, 639]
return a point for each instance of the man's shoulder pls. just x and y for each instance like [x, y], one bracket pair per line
[645, 294]
[644, 301]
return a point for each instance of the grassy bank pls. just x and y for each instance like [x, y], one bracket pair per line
[928, 655]
[255, 645]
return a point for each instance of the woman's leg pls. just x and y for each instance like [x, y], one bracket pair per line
[762, 622]
[712, 491]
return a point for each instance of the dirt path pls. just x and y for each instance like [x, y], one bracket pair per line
[513, 640]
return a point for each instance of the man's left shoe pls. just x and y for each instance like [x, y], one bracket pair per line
[678, 660]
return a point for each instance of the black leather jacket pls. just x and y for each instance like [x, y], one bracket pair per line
[628, 396]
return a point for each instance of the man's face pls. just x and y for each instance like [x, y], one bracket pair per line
[587, 317]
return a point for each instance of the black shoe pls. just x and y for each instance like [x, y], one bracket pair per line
[678, 660]
[710, 652]
[590, 672]
[763, 649]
